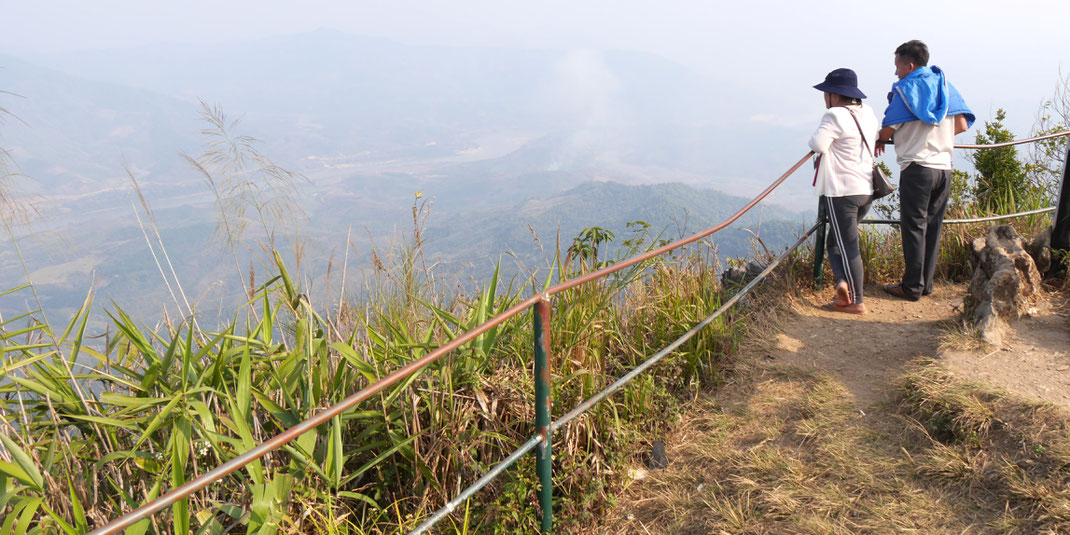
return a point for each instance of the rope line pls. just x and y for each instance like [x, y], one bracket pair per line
[961, 221]
[325, 415]
[477, 486]
[1014, 142]
[594, 400]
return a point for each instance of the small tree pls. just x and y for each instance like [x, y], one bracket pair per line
[1001, 182]
[1045, 163]
[585, 246]
[960, 201]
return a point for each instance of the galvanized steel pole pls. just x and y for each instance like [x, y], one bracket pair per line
[543, 458]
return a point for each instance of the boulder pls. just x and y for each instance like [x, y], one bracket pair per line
[657, 459]
[1040, 250]
[1006, 283]
[736, 276]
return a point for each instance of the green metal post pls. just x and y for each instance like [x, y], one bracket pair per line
[819, 244]
[543, 459]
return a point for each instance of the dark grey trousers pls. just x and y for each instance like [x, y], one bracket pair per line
[844, 214]
[923, 195]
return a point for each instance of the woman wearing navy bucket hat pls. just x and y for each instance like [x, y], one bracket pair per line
[843, 179]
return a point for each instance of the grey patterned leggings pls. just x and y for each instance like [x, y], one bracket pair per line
[844, 213]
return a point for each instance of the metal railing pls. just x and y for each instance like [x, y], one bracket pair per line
[965, 220]
[539, 440]
[1062, 209]
[540, 305]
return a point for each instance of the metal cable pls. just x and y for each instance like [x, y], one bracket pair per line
[1015, 142]
[594, 400]
[325, 415]
[625, 379]
[960, 221]
[1005, 144]
[477, 486]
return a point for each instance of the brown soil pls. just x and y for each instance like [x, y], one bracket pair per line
[804, 439]
[867, 352]
[1034, 361]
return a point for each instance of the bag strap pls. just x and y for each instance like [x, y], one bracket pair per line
[861, 134]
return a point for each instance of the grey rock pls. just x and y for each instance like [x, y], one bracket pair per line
[1040, 250]
[658, 460]
[738, 276]
[1005, 281]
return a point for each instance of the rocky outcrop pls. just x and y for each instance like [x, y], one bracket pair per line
[1005, 284]
[1040, 250]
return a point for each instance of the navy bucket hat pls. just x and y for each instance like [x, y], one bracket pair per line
[841, 82]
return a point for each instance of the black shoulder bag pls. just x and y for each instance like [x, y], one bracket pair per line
[881, 185]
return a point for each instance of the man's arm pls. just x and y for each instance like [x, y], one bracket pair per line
[884, 135]
[960, 124]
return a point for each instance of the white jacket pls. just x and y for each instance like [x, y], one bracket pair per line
[846, 165]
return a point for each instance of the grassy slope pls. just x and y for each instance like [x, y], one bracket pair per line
[785, 452]
[177, 402]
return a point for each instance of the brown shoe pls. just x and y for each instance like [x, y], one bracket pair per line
[898, 291]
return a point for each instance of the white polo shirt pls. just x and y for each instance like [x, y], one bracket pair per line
[925, 144]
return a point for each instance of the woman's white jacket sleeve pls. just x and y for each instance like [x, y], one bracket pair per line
[826, 132]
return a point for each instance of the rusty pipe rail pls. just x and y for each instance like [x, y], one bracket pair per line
[539, 438]
[1014, 142]
[626, 378]
[1063, 203]
[560, 287]
[325, 416]
[1006, 143]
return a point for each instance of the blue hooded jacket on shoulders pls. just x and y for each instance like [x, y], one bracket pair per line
[925, 95]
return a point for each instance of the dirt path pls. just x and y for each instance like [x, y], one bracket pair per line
[1034, 361]
[805, 439]
[867, 352]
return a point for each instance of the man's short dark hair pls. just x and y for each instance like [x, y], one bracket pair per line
[915, 52]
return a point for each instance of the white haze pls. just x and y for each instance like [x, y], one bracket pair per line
[478, 103]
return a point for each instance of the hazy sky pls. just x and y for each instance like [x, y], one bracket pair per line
[999, 54]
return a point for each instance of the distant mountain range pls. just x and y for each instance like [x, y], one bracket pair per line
[499, 139]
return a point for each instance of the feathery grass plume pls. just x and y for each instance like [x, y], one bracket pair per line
[188, 310]
[17, 211]
[248, 186]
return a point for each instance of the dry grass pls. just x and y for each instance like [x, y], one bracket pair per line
[784, 451]
[1014, 449]
[962, 335]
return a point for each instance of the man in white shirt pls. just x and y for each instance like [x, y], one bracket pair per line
[924, 114]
